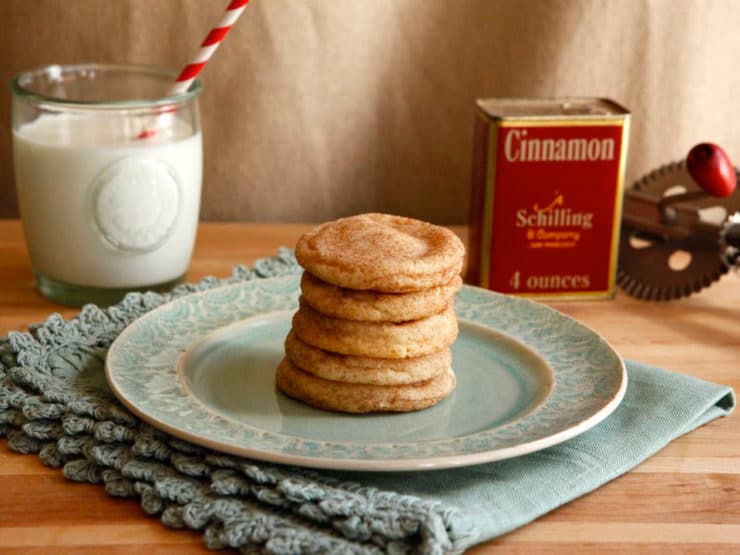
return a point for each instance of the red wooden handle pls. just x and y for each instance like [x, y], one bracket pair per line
[712, 170]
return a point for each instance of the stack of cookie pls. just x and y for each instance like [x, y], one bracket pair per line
[375, 323]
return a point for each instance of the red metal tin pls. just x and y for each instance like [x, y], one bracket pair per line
[546, 196]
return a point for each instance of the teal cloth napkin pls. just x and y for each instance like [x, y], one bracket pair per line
[495, 498]
[53, 403]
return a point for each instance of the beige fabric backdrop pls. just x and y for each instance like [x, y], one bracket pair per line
[319, 108]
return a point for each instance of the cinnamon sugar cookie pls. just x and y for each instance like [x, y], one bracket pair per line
[361, 398]
[381, 252]
[375, 339]
[374, 306]
[365, 370]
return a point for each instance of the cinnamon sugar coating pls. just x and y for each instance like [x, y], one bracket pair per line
[374, 306]
[375, 339]
[361, 398]
[381, 252]
[365, 370]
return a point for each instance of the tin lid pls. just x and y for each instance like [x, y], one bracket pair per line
[555, 108]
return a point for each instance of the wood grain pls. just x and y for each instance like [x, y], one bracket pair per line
[686, 498]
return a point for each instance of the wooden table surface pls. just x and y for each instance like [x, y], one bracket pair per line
[685, 498]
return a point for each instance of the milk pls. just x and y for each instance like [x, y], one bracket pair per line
[104, 208]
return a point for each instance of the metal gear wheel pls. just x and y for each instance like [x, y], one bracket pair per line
[730, 242]
[658, 266]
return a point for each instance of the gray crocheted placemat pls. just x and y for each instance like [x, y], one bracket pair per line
[54, 401]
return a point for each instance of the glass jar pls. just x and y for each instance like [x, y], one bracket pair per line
[108, 170]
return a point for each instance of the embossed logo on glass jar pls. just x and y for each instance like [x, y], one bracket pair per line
[135, 203]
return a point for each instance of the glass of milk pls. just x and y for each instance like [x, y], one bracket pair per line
[108, 171]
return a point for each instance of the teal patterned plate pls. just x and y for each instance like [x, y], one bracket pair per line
[202, 368]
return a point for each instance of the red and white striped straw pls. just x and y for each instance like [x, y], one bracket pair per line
[209, 45]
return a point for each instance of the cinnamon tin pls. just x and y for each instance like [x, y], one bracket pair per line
[546, 196]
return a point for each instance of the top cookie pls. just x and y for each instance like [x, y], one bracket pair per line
[381, 252]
